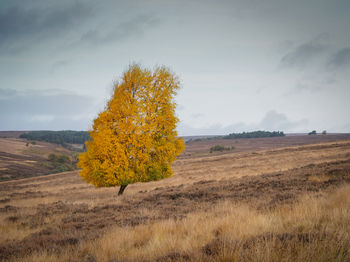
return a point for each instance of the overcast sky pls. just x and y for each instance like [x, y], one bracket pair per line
[244, 65]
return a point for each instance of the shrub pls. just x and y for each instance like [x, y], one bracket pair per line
[59, 163]
[220, 148]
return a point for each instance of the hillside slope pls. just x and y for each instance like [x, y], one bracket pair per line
[61, 214]
[20, 158]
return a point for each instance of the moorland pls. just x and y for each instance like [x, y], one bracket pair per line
[265, 199]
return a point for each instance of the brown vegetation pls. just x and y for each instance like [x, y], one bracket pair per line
[288, 203]
[198, 147]
[20, 158]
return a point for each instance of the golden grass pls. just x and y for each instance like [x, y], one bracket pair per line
[12, 145]
[256, 163]
[314, 229]
[191, 170]
[11, 227]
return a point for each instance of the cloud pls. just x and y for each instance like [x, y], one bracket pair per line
[180, 107]
[60, 64]
[314, 84]
[272, 121]
[305, 53]
[6, 92]
[345, 128]
[46, 109]
[42, 118]
[122, 31]
[20, 26]
[217, 129]
[69, 24]
[340, 59]
[199, 115]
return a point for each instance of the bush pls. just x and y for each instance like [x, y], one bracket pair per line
[220, 148]
[59, 163]
[312, 133]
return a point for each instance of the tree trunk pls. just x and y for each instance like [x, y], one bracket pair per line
[121, 190]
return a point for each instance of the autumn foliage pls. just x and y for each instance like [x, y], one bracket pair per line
[134, 138]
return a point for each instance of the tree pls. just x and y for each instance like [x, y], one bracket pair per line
[134, 138]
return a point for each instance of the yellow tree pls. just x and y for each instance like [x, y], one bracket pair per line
[134, 139]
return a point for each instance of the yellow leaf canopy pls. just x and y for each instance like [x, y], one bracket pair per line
[134, 138]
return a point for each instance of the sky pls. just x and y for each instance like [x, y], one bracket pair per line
[244, 65]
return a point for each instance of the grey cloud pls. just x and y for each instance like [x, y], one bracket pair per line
[340, 59]
[35, 123]
[58, 65]
[133, 27]
[217, 129]
[38, 109]
[342, 128]
[272, 121]
[180, 108]
[199, 115]
[305, 53]
[19, 25]
[43, 103]
[6, 93]
[313, 85]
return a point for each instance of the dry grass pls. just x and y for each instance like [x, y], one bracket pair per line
[282, 204]
[20, 158]
[190, 170]
[314, 229]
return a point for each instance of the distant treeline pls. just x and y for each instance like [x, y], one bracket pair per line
[254, 134]
[58, 137]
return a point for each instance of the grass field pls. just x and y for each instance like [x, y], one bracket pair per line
[20, 158]
[271, 199]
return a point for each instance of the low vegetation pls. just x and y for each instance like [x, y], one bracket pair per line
[220, 148]
[316, 228]
[23, 159]
[59, 163]
[30, 143]
[263, 204]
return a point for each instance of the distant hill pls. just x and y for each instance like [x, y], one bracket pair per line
[21, 159]
[11, 134]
